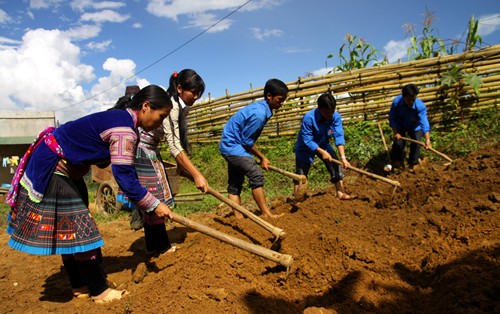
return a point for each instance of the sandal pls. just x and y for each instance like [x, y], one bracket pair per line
[172, 249]
[157, 253]
[111, 296]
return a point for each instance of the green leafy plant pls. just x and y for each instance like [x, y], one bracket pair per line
[360, 139]
[473, 39]
[453, 85]
[428, 45]
[482, 129]
[356, 53]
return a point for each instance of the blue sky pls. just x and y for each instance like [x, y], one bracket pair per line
[75, 56]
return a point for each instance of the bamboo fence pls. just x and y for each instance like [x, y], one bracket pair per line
[365, 95]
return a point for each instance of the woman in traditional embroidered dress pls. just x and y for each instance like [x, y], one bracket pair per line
[153, 177]
[185, 88]
[49, 200]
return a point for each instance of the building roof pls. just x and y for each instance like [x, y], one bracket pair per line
[16, 140]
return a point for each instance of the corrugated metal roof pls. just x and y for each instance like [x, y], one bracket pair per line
[16, 140]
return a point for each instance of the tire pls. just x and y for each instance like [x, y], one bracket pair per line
[106, 198]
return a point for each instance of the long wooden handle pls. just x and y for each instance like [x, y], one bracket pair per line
[395, 183]
[292, 175]
[282, 259]
[279, 233]
[383, 140]
[431, 149]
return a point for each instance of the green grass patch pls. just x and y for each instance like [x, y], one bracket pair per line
[364, 149]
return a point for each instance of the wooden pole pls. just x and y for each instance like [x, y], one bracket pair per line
[395, 183]
[383, 140]
[279, 233]
[431, 149]
[282, 259]
[303, 186]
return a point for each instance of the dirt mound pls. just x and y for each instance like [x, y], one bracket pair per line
[432, 246]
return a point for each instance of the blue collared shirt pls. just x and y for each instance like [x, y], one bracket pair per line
[410, 118]
[316, 132]
[243, 129]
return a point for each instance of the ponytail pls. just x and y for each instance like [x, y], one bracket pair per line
[122, 103]
[188, 80]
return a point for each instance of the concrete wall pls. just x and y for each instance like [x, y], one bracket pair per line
[16, 124]
[25, 123]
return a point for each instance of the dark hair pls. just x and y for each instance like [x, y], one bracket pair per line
[410, 90]
[156, 95]
[188, 80]
[327, 101]
[275, 87]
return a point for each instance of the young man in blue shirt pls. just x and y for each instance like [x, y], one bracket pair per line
[318, 126]
[237, 145]
[408, 115]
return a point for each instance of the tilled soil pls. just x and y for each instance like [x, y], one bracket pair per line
[431, 246]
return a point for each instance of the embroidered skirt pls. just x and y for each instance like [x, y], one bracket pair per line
[153, 177]
[60, 224]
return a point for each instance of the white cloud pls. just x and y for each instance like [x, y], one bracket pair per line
[262, 34]
[81, 5]
[108, 89]
[43, 4]
[205, 20]
[4, 17]
[174, 8]
[488, 24]
[321, 71]
[292, 50]
[83, 32]
[261, 4]
[43, 71]
[105, 16]
[137, 25]
[99, 46]
[194, 9]
[7, 43]
[396, 50]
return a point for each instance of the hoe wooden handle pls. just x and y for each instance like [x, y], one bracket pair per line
[395, 183]
[431, 149]
[279, 233]
[292, 175]
[282, 259]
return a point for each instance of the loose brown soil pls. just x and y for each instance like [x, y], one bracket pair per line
[431, 247]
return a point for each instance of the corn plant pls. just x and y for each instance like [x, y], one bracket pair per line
[472, 37]
[428, 45]
[356, 53]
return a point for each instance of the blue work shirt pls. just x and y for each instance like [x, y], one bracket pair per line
[243, 129]
[412, 118]
[316, 132]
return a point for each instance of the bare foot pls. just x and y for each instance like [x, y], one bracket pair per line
[273, 215]
[345, 196]
[81, 293]
[238, 215]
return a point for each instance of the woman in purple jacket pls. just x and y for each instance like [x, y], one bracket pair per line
[49, 199]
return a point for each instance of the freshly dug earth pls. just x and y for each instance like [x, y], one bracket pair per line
[431, 247]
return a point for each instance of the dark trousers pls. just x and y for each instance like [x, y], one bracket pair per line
[85, 269]
[397, 151]
[156, 237]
